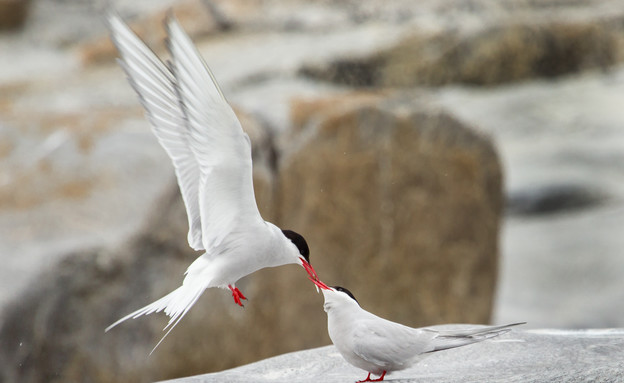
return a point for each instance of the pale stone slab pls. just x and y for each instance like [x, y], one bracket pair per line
[519, 356]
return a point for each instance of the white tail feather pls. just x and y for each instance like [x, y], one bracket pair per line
[175, 304]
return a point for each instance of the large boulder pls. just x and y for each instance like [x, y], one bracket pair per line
[400, 202]
[490, 54]
[520, 356]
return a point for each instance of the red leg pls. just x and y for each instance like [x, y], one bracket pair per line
[380, 378]
[237, 295]
[368, 378]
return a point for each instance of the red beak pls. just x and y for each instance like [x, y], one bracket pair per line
[313, 276]
[320, 284]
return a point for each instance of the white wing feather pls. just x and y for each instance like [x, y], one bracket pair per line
[446, 339]
[386, 343]
[221, 148]
[155, 85]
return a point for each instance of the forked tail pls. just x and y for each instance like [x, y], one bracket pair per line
[456, 338]
[175, 304]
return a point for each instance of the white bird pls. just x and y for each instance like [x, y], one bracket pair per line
[212, 159]
[380, 346]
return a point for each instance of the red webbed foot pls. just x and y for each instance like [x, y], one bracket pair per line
[237, 295]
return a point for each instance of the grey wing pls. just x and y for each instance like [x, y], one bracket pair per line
[154, 82]
[386, 343]
[222, 149]
[445, 339]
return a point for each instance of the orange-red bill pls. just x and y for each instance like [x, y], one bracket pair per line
[320, 284]
[313, 276]
[309, 269]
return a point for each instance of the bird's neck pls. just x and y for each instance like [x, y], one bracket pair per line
[284, 251]
[344, 310]
[340, 319]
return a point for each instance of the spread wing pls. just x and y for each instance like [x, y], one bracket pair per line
[154, 83]
[386, 343]
[197, 128]
[217, 140]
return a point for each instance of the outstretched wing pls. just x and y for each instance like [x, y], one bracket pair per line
[154, 82]
[221, 148]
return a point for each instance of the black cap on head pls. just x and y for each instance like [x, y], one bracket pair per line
[300, 242]
[338, 288]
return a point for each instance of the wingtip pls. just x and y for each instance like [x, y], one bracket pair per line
[111, 15]
[169, 23]
[107, 10]
[107, 329]
[170, 15]
[115, 25]
[170, 20]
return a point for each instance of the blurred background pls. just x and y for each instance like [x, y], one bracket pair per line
[447, 161]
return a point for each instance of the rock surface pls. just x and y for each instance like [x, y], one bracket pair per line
[519, 356]
[13, 14]
[511, 50]
[392, 188]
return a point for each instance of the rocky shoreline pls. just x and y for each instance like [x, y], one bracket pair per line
[469, 151]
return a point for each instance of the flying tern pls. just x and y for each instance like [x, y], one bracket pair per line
[380, 346]
[211, 155]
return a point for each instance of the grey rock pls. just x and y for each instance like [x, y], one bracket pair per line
[496, 53]
[550, 199]
[388, 188]
[519, 356]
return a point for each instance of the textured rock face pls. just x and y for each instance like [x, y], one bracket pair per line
[54, 333]
[397, 199]
[519, 356]
[492, 54]
[501, 54]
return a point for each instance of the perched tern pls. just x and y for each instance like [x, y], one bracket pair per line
[211, 154]
[380, 346]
